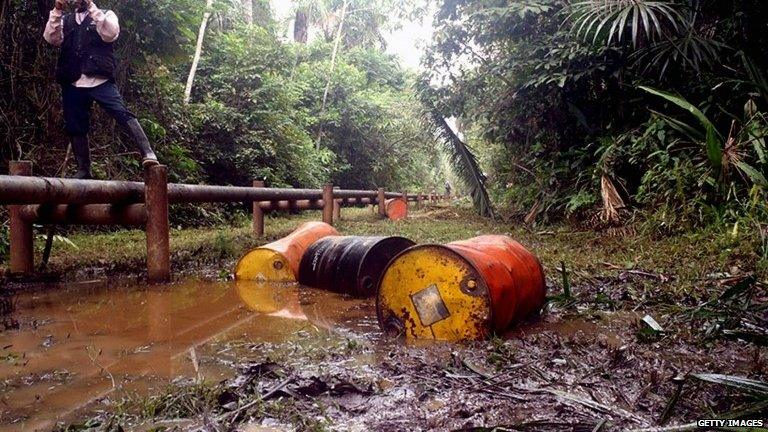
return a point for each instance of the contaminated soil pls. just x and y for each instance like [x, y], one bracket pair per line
[619, 346]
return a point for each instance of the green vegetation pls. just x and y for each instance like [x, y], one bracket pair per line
[688, 258]
[645, 113]
[291, 113]
[616, 106]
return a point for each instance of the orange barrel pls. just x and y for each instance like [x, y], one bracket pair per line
[349, 265]
[279, 261]
[396, 208]
[461, 290]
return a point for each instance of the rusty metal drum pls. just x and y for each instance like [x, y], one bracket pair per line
[350, 265]
[397, 208]
[279, 261]
[465, 290]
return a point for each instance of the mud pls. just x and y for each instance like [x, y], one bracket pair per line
[257, 357]
[72, 346]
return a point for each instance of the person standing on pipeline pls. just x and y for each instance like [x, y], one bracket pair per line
[86, 72]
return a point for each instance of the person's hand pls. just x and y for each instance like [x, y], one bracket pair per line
[60, 5]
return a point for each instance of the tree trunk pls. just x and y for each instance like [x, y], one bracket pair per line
[248, 11]
[301, 27]
[336, 44]
[198, 51]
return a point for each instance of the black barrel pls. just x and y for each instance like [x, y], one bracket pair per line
[349, 264]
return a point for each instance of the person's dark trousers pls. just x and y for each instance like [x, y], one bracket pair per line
[78, 102]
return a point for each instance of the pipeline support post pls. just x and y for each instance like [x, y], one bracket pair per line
[382, 203]
[337, 210]
[337, 206]
[158, 242]
[258, 213]
[418, 200]
[405, 198]
[328, 204]
[21, 232]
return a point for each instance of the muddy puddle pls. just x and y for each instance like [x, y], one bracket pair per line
[69, 352]
[76, 344]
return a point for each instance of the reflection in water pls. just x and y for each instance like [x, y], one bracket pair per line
[81, 342]
[274, 299]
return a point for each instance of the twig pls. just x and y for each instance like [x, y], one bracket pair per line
[89, 349]
[279, 386]
[600, 426]
[679, 428]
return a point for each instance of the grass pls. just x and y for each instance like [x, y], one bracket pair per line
[688, 259]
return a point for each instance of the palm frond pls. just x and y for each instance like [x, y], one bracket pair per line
[756, 77]
[464, 163]
[713, 139]
[617, 20]
[746, 385]
[690, 50]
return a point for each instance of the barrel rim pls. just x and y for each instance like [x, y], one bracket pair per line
[386, 266]
[491, 315]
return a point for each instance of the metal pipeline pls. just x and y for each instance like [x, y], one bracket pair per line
[182, 193]
[38, 190]
[292, 205]
[88, 214]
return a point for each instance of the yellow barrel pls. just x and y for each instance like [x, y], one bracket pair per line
[279, 261]
[461, 290]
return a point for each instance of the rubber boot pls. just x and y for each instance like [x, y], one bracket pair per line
[133, 128]
[82, 157]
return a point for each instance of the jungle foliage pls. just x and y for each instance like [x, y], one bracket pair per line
[594, 107]
[256, 103]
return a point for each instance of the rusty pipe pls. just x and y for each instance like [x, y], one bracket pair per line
[358, 201]
[38, 190]
[341, 193]
[88, 214]
[291, 205]
[182, 193]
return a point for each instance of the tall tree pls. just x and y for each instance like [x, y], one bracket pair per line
[301, 27]
[337, 42]
[248, 11]
[308, 13]
[198, 51]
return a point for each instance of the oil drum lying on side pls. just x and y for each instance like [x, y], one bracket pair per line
[461, 290]
[396, 208]
[279, 261]
[349, 265]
